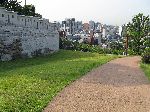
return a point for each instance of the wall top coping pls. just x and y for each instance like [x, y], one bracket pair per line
[11, 12]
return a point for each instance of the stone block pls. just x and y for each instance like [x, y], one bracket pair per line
[6, 57]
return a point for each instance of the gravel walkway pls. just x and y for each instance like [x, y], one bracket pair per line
[118, 86]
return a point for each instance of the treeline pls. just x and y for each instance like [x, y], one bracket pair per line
[66, 44]
[14, 5]
[138, 33]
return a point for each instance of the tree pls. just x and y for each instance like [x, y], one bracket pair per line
[138, 30]
[116, 45]
[38, 15]
[28, 10]
[13, 5]
[3, 2]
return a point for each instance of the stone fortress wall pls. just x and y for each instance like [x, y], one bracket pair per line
[25, 36]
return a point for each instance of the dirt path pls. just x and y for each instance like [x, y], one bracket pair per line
[118, 86]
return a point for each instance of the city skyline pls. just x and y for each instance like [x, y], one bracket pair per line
[114, 12]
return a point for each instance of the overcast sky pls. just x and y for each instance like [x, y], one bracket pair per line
[115, 12]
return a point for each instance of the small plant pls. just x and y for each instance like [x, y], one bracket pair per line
[131, 52]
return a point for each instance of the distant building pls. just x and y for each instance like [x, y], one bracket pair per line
[86, 27]
[78, 26]
[110, 32]
[92, 25]
[69, 26]
[55, 26]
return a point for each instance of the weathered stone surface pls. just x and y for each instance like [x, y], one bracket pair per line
[20, 39]
[6, 57]
[39, 43]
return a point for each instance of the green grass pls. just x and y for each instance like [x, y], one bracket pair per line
[146, 69]
[28, 85]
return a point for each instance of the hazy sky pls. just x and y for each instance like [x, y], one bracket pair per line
[115, 12]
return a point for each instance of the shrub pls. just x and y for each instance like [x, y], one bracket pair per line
[76, 46]
[146, 56]
[115, 52]
[131, 52]
[107, 51]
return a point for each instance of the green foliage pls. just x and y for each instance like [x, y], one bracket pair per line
[146, 69]
[27, 85]
[137, 31]
[75, 46]
[117, 48]
[3, 2]
[87, 48]
[146, 56]
[131, 52]
[116, 45]
[147, 42]
[66, 44]
[14, 5]
[28, 10]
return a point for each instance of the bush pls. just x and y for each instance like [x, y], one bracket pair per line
[146, 56]
[76, 46]
[107, 51]
[131, 52]
[115, 52]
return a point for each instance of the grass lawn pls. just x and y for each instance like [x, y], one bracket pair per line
[146, 68]
[29, 84]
